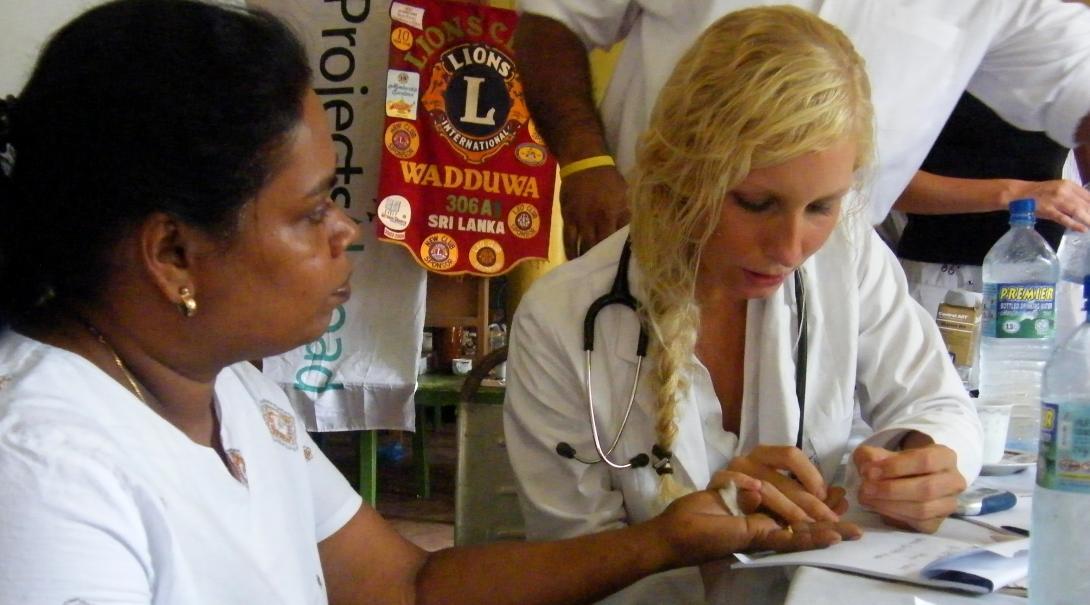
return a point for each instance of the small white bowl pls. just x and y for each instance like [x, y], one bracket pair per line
[461, 365]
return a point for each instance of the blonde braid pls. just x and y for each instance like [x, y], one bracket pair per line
[678, 328]
[760, 87]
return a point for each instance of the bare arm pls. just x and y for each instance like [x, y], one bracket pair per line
[1061, 201]
[1082, 133]
[556, 80]
[366, 561]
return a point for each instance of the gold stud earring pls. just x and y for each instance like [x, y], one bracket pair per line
[188, 304]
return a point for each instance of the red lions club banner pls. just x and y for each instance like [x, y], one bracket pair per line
[466, 182]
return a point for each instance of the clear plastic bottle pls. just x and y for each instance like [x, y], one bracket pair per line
[497, 336]
[1074, 255]
[1059, 556]
[1020, 274]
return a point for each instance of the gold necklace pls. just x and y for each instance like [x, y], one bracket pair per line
[117, 358]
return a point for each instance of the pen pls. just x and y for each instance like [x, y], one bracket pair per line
[1015, 530]
[1007, 529]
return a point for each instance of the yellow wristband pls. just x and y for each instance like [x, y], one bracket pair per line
[586, 164]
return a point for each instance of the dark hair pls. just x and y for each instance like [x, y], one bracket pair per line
[136, 107]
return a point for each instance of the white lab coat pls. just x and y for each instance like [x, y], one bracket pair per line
[867, 340]
[1027, 59]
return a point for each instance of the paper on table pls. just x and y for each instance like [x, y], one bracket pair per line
[990, 567]
[816, 586]
[897, 555]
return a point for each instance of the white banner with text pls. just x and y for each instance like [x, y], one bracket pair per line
[361, 374]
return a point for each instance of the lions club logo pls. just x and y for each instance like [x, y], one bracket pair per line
[439, 251]
[524, 221]
[486, 256]
[402, 140]
[475, 101]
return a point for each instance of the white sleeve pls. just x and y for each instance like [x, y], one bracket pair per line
[544, 406]
[1036, 72]
[335, 502]
[599, 24]
[905, 378]
[71, 530]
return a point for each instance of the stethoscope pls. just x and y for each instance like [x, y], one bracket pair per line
[620, 294]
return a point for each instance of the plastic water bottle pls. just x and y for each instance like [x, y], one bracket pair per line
[1074, 255]
[1020, 274]
[1059, 556]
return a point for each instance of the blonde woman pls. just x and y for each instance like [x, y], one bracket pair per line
[743, 224]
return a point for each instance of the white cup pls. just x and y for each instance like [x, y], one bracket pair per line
[995, 418]
[461, 365]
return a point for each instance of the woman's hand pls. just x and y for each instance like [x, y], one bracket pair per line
[1060, 201]
[916, 488]
[792, 487]
[699, 527]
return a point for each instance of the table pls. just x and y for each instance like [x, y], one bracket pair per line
[433, 392]
[813, 586]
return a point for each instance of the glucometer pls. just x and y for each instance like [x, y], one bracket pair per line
[984, 500]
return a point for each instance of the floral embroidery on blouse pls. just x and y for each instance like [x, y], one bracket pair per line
[281, 425]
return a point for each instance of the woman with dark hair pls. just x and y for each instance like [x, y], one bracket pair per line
[164, 216]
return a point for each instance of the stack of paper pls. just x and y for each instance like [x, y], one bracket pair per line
[987, 563]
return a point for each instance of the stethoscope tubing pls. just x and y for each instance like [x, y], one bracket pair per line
[604, 455]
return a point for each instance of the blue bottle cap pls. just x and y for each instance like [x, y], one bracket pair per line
[1023, 206]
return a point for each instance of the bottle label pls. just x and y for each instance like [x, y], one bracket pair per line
[1063, 461]
[1026, 311]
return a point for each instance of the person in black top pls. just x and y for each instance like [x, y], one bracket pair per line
[956, 205]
